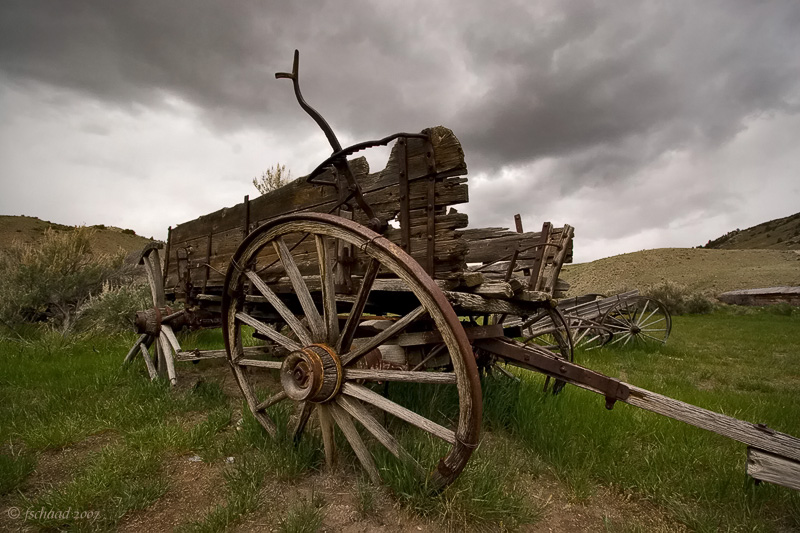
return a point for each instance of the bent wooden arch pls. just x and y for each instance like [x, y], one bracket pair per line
[309, 374]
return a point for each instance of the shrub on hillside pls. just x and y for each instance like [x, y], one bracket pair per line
[53, 279]
[678, 299]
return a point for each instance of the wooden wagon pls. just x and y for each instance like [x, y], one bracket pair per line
[337, 284]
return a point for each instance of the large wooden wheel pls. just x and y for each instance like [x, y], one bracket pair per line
[152, 323]
[638, 321]
[326, 363]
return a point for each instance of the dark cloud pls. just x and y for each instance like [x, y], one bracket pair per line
[598, 94]
[551, 79]
[657, 77]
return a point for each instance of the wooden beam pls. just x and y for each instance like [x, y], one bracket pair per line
[765, 466]
[754, 435]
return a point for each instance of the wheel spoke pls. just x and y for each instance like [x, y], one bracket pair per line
[350, 432]
[581, 335]
[272, 400]
[306, 408]
[620, 337]
[326, 428]
[301, 290]
[148, 362]
[166, 349]
[252, 402]
[365, 394]
[660, 341]
[617, 325]
[400, 375]
[166, 329]
[654, 322]
[287, 315]
[270, 332]
[383, 436]
[326, 276]
[350, 326]
[643, 320]
[276, 365]
[378, 339]
[630, 336]
[135, 348]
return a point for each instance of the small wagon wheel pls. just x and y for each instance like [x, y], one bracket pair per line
[639, 320]
[549, 329]
[151, 322]
[324, 368]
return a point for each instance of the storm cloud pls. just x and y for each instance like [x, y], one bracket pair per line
[588, 113]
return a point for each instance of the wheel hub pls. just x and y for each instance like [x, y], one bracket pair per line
[312, 374]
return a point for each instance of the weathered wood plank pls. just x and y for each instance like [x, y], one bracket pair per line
[751, 434]
[765, 466]
[474, 302]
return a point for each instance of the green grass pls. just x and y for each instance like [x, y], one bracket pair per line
[243, 484]
[744, 366]
[305, 516]
[57, 394]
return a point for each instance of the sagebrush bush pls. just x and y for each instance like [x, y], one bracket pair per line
[112, 311]
[52, 279]
[678, 299]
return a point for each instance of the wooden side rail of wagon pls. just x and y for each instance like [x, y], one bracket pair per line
[331, 287]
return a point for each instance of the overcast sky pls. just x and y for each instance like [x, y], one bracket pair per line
[642, 124]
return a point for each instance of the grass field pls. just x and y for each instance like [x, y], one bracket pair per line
[80, 434]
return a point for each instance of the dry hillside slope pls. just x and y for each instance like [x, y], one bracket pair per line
[30, 229]
[711, 271]
[778, 234]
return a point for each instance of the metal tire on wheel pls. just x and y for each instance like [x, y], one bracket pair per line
[639, 321]
[319, 369]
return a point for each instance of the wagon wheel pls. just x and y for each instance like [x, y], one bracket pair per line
[589, 334]
[155, 332]
[324, 371]
[549, 329]
[639, 320]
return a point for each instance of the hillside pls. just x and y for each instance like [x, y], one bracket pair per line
[30, 229]
[778, 234]
[712, 271]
